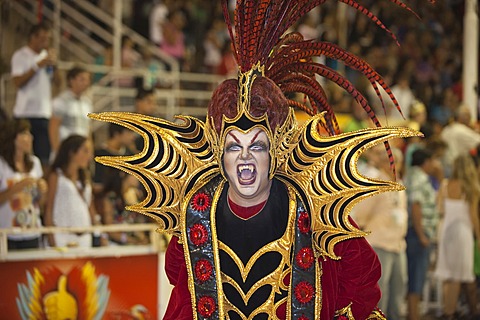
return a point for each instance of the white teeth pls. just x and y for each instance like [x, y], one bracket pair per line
[249, 167]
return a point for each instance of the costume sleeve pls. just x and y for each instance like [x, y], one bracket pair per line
[179, 306]
[358, 273]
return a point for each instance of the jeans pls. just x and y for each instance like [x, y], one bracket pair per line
[393, 282]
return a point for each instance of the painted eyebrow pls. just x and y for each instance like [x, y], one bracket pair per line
[234, 137]
[255, 136]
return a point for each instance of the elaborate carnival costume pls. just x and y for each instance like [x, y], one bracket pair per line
[300, 256]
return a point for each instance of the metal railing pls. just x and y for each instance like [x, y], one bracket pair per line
[157, 242]
[106, 94]
[89, 27]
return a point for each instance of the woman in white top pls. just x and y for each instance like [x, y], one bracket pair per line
[69, 201]
[458, 201]
[22, 189]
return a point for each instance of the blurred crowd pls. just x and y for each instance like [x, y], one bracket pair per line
[48, 177]
[47, 173]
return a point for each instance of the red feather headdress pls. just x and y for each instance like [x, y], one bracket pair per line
[260, 40]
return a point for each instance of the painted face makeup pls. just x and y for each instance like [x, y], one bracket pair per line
[246, 162]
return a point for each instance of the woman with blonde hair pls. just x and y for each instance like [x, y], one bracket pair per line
[458, 202]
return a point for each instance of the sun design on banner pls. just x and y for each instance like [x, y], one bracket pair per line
[80, 294]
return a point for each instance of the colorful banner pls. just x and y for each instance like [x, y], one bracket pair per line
[86, 288]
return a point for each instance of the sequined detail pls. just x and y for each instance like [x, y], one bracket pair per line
[304, 222]
[206, 306]
[201, 202]
[305, 258]
[304, 292]
[203, 270]
[198, 234]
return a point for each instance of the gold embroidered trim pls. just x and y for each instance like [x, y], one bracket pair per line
[376, 315]
[245, 82]
[346, 312]
[283, 246]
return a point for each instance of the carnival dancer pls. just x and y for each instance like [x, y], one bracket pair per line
[259, 206]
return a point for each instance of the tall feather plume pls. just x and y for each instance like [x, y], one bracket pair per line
[288, 59]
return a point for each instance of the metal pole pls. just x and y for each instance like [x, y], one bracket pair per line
[39, 11]
[117, 45]
[56, 26]
[470, 57]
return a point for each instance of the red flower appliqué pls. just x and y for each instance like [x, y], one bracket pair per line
[303, 318]
[304, 292]
[201, 202]
[198, 234]
[304, 222]
[305, 258]
[203, 270]
[206, 306]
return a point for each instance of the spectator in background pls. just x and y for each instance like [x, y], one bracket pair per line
[388, 228]
[228, 67]
[69, 201]
[422, 224]
[115, 197]
[458, 203]
[22, 189]
[459, 136]
[151, 79]
[130, 58]
[157, 18]
[445, 106]
[31, 72]
[309, 27]
[3, 115]
[70, 109]
[145, 103]
[418, 114]
[404, 95]
[105, 59]
[212, 45]
[358, 119]
[174, 38]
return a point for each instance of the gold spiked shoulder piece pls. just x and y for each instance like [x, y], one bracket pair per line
[324, 171]
[175, 157]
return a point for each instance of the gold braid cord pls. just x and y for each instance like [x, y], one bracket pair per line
[323, 170]
[347, 314]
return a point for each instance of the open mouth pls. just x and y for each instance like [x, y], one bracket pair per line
[246, 174]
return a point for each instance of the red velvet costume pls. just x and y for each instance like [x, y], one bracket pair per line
[351, 279]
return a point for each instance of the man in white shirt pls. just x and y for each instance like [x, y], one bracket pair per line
[459, 136]
[32, 72]
[70, 109]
